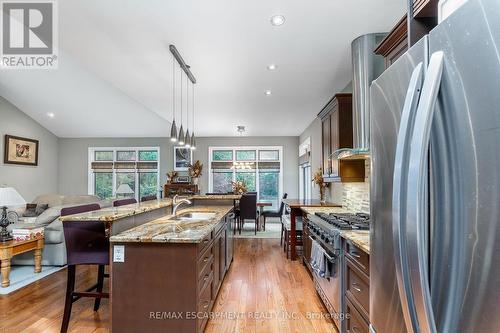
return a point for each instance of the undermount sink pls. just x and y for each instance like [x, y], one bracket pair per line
[195, 216]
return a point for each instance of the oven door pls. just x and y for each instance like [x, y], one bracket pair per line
[331, 286]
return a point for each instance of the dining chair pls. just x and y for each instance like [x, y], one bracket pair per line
[149, 198]
[123, 202]
[247, 210]
[86, 244]
[277, 213]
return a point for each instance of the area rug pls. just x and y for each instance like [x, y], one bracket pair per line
[273, 230]
[21, 276]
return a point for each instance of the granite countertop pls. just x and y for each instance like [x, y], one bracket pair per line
[217, 197]
[360, 238]
[167, 230]
[111, 214]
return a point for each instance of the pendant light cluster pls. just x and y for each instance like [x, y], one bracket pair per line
[180, 138]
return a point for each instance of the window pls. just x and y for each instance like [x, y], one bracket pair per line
[305, 181]
[222, 181]
[269, 155]
[222, 155]
[245, 155]
[124, 172]
[259, 168]
[103, 156]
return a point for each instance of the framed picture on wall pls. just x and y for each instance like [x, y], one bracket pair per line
[21, 151]
[182, 158]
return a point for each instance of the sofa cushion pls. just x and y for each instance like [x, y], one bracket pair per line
[50, 199]
[49, 216]
[79, 199]
[54, 233]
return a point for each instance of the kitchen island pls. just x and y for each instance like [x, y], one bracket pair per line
[118, 219]
[165, 274]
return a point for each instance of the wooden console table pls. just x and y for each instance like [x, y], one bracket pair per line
[180, 188]
[12, 248]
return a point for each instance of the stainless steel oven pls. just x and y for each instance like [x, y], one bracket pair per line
[329, 287]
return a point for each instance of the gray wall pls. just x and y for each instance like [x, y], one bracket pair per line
[29, 181]
[290, 156]
[73, 162]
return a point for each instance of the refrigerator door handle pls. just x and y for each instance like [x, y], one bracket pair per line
[399, 197]
[416, 196]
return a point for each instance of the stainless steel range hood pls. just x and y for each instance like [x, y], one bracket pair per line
[366, 66]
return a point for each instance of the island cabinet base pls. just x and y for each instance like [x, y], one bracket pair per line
[168, 287]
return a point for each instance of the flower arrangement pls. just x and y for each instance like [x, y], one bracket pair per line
[318, 180]
[171, 176]
[195, 169]
[239, 187]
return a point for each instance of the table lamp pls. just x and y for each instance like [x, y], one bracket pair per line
[8, 198]
[124, 189]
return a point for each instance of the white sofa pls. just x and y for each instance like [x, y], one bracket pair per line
[54, 252]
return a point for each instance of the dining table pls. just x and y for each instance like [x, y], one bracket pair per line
[261, 206]
[295, 206]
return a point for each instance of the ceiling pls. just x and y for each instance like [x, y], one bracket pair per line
[115, 71]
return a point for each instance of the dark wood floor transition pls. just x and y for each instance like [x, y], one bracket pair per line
[263, 292]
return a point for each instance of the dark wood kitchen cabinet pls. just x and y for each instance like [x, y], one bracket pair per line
[169, 287]
[396, 43]
[337, 133]
[357, 287]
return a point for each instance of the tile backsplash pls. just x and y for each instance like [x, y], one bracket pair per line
[356, 196]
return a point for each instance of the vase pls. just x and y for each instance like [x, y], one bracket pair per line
[195, 180]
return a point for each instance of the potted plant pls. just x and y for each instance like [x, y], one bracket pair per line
[171, 176]
[318, 180]
[239, 187]
[195, 171]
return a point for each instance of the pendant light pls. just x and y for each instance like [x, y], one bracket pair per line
[193, 141]
[181, 131]
[187, 137]
[173, 129]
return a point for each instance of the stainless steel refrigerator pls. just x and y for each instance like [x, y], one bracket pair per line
[435, 183]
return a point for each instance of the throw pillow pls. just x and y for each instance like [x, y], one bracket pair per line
[40, 208]
[30, 210]
[34, 210]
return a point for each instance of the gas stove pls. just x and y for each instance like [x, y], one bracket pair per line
[346, 221]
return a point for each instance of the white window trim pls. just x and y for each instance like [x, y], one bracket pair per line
[91, 174]
[257, 148]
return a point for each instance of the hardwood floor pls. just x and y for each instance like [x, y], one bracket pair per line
[263, 292]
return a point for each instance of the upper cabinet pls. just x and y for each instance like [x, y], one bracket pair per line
[336, 133]
[397, 41]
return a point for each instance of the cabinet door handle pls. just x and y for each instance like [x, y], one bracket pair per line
[206, 277]
[206, 305]
[355, 329]
[205, 241]
[205, 259]
[356, 288]
[355, 255]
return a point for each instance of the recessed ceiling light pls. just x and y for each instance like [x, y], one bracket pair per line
[271, 67]
[277, 20]
[51, 114]
[268, 92]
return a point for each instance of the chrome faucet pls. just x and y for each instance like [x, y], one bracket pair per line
[176, 203]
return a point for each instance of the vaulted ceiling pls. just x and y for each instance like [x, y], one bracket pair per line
[115, 71]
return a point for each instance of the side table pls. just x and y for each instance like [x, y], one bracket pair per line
[12, 248]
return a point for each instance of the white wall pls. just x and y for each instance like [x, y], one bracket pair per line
[29, 181]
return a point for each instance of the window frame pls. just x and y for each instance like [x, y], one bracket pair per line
[256, 161]
[136, 171]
